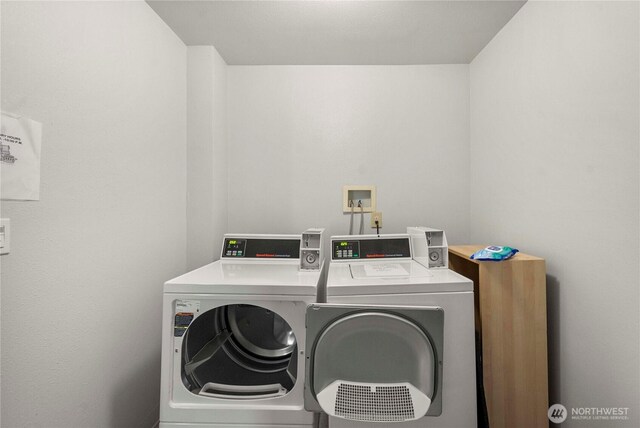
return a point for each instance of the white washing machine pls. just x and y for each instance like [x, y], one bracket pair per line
[394, 344]
[233, 341]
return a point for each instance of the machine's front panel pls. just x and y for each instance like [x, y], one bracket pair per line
[234, 360]
[261, 248]
[458, 356]
[367, 249]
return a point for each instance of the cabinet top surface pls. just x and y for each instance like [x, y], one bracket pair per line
[466, 251]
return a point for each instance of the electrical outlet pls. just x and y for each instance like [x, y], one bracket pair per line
[5, 236]
[376, 215]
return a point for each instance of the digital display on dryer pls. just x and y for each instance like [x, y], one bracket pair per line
[261, 248]
[343, 250]
[234, 247]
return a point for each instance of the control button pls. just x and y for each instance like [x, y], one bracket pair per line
[339, 253]
[239, 253]
[234, 253]
[228, 253]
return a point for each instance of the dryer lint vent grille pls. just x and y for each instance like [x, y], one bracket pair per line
[374, 403]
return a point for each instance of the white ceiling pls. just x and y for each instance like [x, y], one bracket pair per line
[339, 32]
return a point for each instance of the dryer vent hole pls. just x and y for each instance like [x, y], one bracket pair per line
[374, 404]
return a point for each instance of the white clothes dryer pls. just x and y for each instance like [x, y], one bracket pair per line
[394, 344]
[233, 335]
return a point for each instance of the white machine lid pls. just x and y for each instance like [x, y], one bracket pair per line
[360, 278]
[247, 277]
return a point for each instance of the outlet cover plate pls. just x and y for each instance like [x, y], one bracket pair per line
[5, 236]
[376, 215]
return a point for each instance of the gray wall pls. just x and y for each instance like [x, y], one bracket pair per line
[554, 172]
[82, 287]
[206, 155]
[297, 134]
[549, 134]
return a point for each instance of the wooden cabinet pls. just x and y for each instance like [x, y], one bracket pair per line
[511, 317]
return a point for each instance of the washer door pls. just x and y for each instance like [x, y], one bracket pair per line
[374, 363]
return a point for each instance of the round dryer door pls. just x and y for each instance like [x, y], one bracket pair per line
[376, 364]
[239, 351]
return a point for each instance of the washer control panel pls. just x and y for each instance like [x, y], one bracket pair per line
[372, 248]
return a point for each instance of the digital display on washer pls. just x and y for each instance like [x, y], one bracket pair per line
[371, 249]
[261, 248]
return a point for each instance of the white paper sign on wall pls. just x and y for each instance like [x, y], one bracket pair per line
[20, 139]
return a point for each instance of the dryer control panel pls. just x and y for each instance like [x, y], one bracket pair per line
[374, 248]
[261, 248]
[346, 250]
[234, 247]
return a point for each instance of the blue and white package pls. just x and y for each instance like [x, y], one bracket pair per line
[494, 253]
